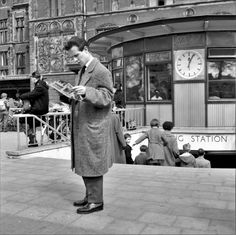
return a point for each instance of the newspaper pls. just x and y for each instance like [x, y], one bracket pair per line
[64, 88]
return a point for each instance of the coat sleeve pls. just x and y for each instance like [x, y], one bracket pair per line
[141, 138]
[37, 92]
[175, 148]
[102, 94]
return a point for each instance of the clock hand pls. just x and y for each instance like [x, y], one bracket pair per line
[189, 60]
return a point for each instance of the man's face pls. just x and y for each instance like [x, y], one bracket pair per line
[80, 57]
[34, 80]
[128, 140]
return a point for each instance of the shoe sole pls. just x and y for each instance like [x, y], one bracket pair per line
[80, 205]
[91, 211]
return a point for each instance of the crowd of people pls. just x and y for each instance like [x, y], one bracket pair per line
[162, 149]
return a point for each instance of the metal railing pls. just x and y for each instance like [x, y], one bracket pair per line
[131, 118]
[54, 127]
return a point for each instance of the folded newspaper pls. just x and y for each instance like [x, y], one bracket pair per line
[64, 88]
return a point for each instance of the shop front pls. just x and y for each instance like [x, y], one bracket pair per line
[181, 70]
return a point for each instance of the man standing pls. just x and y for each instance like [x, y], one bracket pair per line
[91, 113]
[39, 102]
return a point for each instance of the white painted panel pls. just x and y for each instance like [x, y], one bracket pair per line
[189, 105]
[221, 115]
[162, 112]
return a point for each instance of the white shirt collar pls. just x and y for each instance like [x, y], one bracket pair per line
[88, 63]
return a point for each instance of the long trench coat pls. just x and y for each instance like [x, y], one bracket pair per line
[117, 137]
[90, 139]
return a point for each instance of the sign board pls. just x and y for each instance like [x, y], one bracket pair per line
[209, 142]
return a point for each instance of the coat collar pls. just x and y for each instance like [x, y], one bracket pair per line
[83, 79]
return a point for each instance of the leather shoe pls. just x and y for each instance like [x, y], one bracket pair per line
[90, 208]
[82, 202]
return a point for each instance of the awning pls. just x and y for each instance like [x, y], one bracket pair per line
[102, 42]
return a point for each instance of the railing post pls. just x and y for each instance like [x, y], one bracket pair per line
[18, 133]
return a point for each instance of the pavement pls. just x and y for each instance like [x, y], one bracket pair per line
[38, 190]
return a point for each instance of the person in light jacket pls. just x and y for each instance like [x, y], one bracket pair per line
[156, 142]
[90, 132]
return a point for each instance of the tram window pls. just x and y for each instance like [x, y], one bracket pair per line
[134, 78]
[222, 78]
[159, 81]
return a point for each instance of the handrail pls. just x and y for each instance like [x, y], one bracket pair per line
[42, 122]
[130, 118]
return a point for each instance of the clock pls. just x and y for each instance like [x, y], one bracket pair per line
[189, 63]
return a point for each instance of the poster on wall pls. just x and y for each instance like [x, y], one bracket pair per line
[134, 78]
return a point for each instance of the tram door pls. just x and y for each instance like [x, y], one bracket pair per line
[189, 89]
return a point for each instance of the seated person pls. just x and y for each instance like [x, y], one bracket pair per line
[156, 95]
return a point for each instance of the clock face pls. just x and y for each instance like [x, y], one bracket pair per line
[189, 64]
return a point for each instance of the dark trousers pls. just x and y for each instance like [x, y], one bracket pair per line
[94, 189]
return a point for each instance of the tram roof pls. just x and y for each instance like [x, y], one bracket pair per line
[103, 42]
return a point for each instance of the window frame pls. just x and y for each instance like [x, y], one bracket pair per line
[219, 58]
[167, 61]
[21, 67]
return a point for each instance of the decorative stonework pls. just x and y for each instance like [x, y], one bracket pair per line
[68, 26]
[41, 29]
[106, 27]
[43, 55]
[56, 53]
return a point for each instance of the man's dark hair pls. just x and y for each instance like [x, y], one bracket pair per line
[76, 41]
[168, 126]
[143, 148]
[36, 74]
[201, 152]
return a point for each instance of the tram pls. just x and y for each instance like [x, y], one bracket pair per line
[181, 70]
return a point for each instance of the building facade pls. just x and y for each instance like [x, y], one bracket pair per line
[184, 50]
[14, 47]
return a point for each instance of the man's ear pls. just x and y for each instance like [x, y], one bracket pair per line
[85, 48]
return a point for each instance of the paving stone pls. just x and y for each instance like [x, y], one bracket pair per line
[157, 229]
[222, 227]
[123, 227]
[23, 197]
[206, 203]
[13, 207]
[157, 218]
[190, 222]
[194, 232]
[125, 213]
[92, 222]
[62, 217]
[35, 212]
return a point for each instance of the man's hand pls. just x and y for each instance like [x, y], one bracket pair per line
[79, 91]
